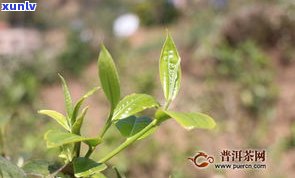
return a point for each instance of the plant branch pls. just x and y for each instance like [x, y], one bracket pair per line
[129, 141]
[106, 126]
[90, 151]
[77, 149]
[104, 130]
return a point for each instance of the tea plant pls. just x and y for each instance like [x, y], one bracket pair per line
[125, 114]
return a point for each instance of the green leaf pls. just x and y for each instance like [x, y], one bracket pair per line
[67, 95]
[192, 120]
[170, 69]
[109, 78]
[9, 170]
[84, 167]
[58, 117]
[38, 168]
[131, 125]
[80, 102]
[58, 138]
[77, 125]
[133, 104]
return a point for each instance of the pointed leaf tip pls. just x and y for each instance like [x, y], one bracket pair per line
[109, 77]
[170, 69]
[79, 121]
[80, 102]
[58, 117]
[67, 96]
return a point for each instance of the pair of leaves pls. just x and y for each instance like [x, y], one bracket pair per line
[170, 73]
[72, 112]
[58, 138]
[72, 122]
[76, 129]
[80, 102]
[128, 106]
[170, 76]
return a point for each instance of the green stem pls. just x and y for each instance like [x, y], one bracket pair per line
[106, 126]
[90, 151]
[77, 149]
[129, 141]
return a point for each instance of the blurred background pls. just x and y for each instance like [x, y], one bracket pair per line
[238, 64]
